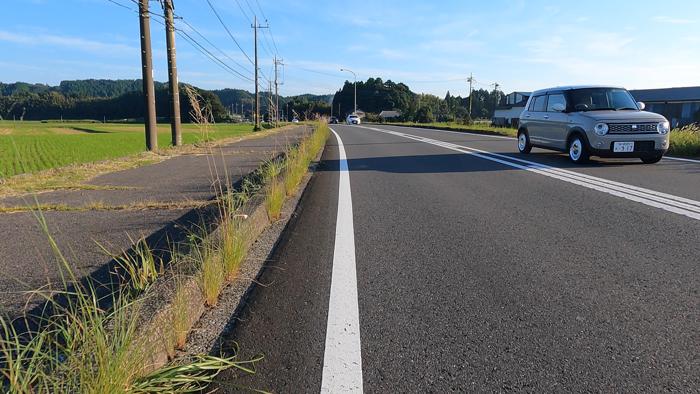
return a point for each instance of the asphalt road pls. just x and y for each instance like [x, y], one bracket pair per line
[479, 272]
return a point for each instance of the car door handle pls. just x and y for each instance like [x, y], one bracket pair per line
[527, 116]
[546, 116]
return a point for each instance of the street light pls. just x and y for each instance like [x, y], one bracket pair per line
[354, 75]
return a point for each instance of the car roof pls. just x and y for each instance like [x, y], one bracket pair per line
[572, 87]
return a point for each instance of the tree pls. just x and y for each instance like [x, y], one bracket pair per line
[425, 115]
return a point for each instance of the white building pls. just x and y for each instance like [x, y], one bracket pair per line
[384, 115]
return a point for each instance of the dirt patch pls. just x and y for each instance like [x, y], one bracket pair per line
[63, 130]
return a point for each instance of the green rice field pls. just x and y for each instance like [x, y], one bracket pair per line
[27, 147]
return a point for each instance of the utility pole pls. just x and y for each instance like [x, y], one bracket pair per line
[147, 72]
[277, 93]
[175, 127]
[471, 81]
[255, 27]
[270, 110]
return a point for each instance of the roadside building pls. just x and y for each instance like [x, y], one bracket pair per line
[388, 115]
[681, 106]
[508, 113]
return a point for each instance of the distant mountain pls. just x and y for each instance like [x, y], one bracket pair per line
[234, 97]
[324, 98]
[122, 99]
[103, 87]
[8, 89]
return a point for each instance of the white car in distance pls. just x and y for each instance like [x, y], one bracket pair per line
[353, 119]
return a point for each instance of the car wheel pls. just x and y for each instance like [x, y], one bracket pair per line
[524, 145]
[651, 159]
[578, 151]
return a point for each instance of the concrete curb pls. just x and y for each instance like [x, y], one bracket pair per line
[154, 329]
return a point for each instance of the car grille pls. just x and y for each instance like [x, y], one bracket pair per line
[632, 128]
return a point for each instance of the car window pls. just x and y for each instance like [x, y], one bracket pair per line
[596, 99]
[539, 104]
[555, 99]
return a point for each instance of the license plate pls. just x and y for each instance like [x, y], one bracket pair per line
[623, 147]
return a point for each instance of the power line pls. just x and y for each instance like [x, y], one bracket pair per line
[243, 11]
[212, 45]
[436, 81]
[122, 5]
[229, 32]
[203, 50]
[315, 71]
[250, 8]
[272, 37]
[261, 10]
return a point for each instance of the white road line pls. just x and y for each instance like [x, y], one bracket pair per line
[681, 159]
[668, 202]
[342, 359]
[513, 138]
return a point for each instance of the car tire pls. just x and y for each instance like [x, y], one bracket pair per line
[578, 150]
[652, 159]
[524, 145]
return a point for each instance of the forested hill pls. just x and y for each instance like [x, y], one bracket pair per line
[102, 88]
[122, 99]
[376, 95]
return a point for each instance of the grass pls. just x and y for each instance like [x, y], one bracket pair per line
[101, 206]
[29, 147]
[234, 245]
[81, 348]
[274, 198]
[139, 268]
[275, 192]
[457, 126]
[211, 271]
[684, 141]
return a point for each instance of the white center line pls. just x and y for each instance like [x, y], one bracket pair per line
[342, 359]
[667, 202]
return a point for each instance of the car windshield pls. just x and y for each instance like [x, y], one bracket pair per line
[600, 99]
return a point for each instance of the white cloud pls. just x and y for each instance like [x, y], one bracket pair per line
[75, 43]
[672, 20]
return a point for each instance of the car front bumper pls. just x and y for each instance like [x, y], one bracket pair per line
[645, 145]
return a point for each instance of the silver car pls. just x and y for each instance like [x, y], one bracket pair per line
[589, 121]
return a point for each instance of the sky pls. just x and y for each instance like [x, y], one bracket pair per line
[431, 46]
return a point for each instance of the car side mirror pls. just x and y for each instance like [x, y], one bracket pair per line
[641, 105]
[559, 107]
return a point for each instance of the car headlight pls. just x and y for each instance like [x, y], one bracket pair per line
[601, 128]
[663, 127]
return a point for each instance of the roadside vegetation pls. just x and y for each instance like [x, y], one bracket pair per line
[685, 141]
[481, 127]
[81, 346]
